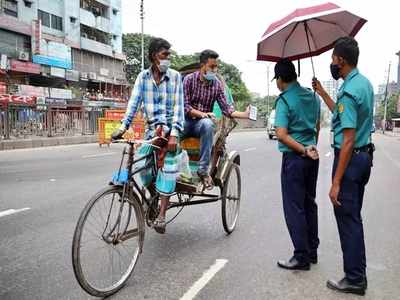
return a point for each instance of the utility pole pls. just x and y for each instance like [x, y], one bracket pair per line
[142, 20]
[268, 82]
[385, 100]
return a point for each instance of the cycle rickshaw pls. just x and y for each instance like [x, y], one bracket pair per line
[113, 221]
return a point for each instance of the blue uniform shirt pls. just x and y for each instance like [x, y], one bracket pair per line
[354, 109]
[298, 109]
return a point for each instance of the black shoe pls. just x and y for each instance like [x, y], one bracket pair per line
[314, 260]
[344, 286]
[293, 264]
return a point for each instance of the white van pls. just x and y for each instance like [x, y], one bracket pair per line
[271, 125]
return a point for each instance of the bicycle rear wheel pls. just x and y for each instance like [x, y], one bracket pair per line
[231, 193]
[107, 242]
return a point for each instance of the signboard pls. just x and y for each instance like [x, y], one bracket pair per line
[30, 90]
[28, 100]
[92, 75]
[3, 88]
[104, 72]
[52, 54]
[72, 75]
[26, 67]
[108, 126]
[36, 36]
[60, 93]
[84, 76]
[58, 102]
[57, 72]
[3, 62]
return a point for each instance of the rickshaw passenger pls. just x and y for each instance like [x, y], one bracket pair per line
[201, 89]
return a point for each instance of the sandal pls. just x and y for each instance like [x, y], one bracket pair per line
[206, 180]
[159, 225]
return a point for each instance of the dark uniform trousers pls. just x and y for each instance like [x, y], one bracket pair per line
[299, 181]
[348, 215]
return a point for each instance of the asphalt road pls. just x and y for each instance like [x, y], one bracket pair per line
[55, 183]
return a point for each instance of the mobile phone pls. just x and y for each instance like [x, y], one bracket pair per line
[253, 113]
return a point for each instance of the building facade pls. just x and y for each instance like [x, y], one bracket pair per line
[75, 45]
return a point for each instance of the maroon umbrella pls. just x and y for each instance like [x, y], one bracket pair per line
[307, 32]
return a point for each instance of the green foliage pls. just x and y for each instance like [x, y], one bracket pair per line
[391, 108]
[132, 48]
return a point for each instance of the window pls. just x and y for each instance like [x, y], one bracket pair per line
[115, 11]
[115, 37]
[28, 3]
[50, 20]
[10, 7]
[72, 19]
[44, 17]
[56, 22]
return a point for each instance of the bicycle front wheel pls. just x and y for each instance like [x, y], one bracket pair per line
[107, 242]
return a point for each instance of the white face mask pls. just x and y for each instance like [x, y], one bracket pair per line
[164, 65]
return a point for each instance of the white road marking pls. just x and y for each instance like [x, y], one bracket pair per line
[98, 155]
[249, 149]
[328, 154]
[207, 276]
[52, 180]
[12, 211]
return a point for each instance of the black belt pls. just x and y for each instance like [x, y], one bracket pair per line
[367, 148]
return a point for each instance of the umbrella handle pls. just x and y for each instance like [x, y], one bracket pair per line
[306, 29]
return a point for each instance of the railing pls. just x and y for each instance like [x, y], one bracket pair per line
[22, 122]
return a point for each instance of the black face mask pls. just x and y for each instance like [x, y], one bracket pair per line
[335, 71]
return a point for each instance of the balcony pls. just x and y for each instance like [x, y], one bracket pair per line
[103, 24]
[88, 18]
[96, 47]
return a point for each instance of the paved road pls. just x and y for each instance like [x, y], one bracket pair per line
[55, 183]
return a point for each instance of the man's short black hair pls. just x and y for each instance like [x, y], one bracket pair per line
[206, 54]
[285, 70]
[156, 45]
[347, 47]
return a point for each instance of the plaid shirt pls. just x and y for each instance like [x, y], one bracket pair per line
[163, 104]
[201, 95]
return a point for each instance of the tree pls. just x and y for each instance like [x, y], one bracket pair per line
[264, 105]
[131, 45]
[391, 108]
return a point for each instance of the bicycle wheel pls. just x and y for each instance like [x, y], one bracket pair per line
[107, 242]
[231, 192]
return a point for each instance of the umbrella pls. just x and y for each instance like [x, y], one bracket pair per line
[307, 32]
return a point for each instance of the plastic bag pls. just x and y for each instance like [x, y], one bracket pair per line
[183, 167]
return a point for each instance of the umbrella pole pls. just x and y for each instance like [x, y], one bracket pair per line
[309, 47]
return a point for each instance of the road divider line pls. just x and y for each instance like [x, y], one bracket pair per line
[249, 149]
[203, 280]
[12, 211]
[98, 155]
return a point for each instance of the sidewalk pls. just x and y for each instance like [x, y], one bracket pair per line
[46, 142]
[69, 140]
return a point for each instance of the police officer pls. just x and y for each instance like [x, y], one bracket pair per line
[297, 127]
[351, 124]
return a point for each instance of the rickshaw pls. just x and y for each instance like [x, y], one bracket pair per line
[113, 221]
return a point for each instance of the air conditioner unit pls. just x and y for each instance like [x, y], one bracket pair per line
[22, 55]
[85, 35]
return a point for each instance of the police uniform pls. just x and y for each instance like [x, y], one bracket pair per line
[298, 110]
[354, 110]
